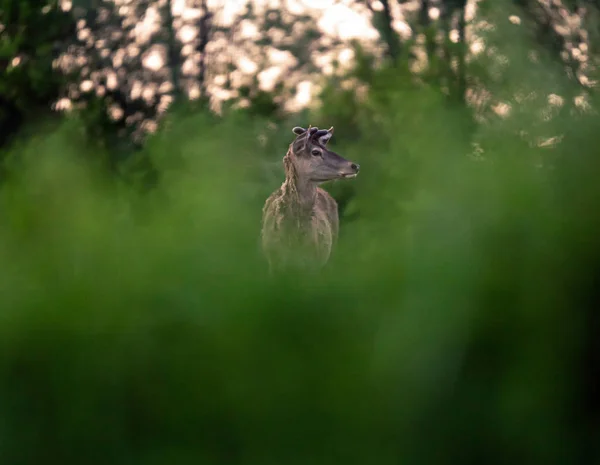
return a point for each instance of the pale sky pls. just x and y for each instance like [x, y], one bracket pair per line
[334, 17]
[340, 19]
[343, 20]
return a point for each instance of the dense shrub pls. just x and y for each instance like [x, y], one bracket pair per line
[451, 326]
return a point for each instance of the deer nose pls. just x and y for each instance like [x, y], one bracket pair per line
[355, 167]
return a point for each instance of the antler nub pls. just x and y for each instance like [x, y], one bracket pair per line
[298, 130]
[312, 131]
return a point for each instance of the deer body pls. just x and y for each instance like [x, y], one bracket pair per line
[300, 220]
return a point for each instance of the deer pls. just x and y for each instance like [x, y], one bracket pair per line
[300, 222]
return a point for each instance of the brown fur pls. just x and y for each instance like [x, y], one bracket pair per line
[300, 219]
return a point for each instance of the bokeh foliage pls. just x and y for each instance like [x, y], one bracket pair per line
[31, 35]
[450, 328]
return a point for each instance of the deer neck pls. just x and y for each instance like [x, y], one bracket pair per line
[300, 194]
[303, 196]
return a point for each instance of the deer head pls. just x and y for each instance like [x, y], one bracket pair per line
[313, 162]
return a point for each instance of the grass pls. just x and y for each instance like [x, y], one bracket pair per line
[448, 328]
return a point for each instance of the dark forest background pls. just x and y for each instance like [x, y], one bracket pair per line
[457, 322]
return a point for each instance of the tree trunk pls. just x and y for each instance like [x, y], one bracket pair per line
[173, 49]
[425, 23]
[205, 29]
[390, 35]
[446, 56]
[462, 52]
[383, 22]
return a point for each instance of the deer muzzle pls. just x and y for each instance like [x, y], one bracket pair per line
[352, 172]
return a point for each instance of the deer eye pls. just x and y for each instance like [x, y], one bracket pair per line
[316, 153]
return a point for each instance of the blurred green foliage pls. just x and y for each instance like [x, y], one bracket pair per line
[30, 30]
[31, 35]
[449, 328]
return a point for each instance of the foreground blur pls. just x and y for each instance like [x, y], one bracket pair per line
[455, 324]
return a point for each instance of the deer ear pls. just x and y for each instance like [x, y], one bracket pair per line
[325, 137]
[298, 130]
